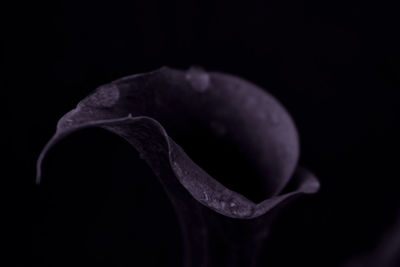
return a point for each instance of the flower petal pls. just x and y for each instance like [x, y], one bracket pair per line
[148, 110]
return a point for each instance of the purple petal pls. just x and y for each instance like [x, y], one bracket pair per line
[152, 110]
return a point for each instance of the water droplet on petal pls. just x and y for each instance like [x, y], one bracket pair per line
[198, 79]
[177, 169]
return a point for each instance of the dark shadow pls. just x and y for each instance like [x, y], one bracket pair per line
[100, 204]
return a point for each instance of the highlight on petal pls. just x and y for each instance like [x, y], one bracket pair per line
[153, 111]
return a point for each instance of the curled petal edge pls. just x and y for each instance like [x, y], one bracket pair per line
[164, 152]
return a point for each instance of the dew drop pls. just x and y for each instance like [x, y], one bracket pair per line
[177, 169]
[198, 79]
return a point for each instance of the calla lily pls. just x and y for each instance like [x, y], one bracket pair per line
[158, 112]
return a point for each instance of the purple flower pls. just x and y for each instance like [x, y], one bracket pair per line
[164, 113]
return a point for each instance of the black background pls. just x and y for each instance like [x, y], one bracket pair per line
[335, 65]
